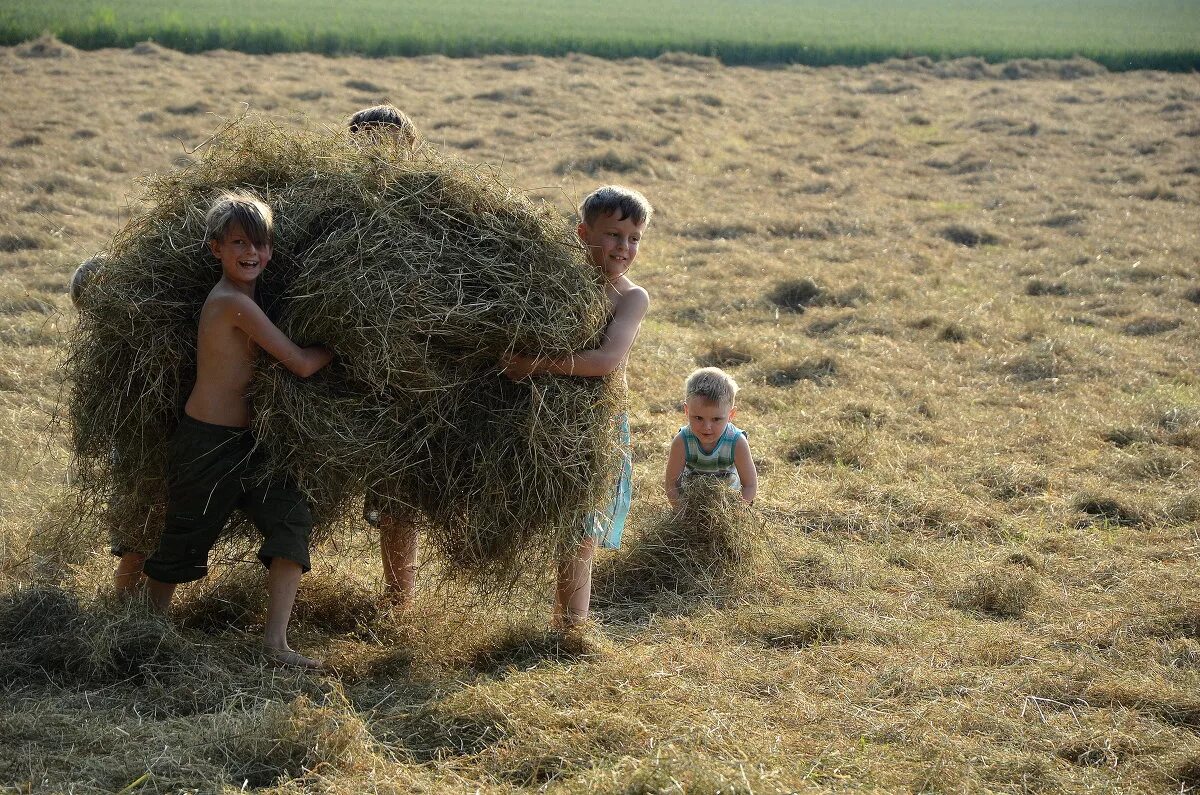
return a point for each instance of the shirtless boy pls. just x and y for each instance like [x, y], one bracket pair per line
[213, 466]
[612, 220]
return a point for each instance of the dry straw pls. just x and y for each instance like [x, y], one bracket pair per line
[711, 545]
[420, 272]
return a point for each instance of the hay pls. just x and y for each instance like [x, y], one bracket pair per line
[46, 46]
[712, 545]
[420, 272]
[49, 634]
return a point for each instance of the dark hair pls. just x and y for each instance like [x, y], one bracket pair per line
[611, 199]
[244, 209]
[379, 117]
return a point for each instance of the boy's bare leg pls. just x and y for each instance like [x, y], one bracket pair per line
[127, 579]
[398, 548]
[283, 580]
[160, 593]
[573, 592]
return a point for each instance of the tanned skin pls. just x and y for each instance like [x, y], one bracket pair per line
[233, 327]
[707, 418]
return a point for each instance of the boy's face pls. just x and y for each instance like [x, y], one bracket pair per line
[612, 243]
[241, 260]
[707, 418]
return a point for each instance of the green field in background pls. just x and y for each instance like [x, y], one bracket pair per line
[1129, 34]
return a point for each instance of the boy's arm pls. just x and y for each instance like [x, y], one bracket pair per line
[248, 316]
[743, 462]
[674, 469]
[618, 339]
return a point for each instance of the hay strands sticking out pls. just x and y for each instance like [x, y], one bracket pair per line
[419, 271]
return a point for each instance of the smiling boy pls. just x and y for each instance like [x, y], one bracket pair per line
[213, 465]
[612, 221]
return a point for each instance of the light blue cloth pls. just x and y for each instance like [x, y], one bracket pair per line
[607, 526]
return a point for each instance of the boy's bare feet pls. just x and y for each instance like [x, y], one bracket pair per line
[293, 659]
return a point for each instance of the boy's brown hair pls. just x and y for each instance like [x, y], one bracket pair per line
[609, 199]
[384, 118]
[711, 383]
[244, 209]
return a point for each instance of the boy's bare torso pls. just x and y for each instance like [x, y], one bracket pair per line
[224, 359]
[618, 291]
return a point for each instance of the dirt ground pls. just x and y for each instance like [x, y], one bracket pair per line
[963, 305]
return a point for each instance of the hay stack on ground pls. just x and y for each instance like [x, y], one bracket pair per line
[712, 545]
[420, 272]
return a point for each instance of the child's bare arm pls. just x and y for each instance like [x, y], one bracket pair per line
[674, 470]
[743, 462]
[248, 316]
[618, 339]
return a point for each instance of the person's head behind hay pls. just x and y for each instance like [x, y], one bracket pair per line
[385, 123]
[709, 445]
[82, 279]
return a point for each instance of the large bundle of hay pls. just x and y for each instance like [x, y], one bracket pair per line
[420, 272]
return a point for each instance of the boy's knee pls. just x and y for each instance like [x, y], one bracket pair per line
[182, 554]
[286, 541]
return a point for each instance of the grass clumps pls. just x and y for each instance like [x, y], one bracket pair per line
[968, 236]
[797, 295]
[999, 592]
[820, 371]
[711, 545]
[284, 741]
[419, 272]
[1099, 508]
[724, 356]
[832, 449]
[788, 629]
[51, 634]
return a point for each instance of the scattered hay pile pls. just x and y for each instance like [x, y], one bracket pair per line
[46, 633]
[713, 544]
[420, 272]
[972, 68]
[46, 46]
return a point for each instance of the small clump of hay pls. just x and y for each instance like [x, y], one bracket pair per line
[711, 545]
[420, 272]
[50, 634]
[46, 46]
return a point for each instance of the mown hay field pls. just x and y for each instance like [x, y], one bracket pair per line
[962, 302]
[1157, 34]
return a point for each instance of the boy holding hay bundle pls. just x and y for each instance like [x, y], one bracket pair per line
[613, 220]
[710, 445]
[213, 465]
[396, 521]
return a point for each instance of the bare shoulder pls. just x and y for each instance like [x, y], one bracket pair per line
[633, 298]
[222, 300]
